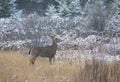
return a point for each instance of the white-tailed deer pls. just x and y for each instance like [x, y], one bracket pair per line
[48, 51]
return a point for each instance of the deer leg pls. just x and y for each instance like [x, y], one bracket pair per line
[50, 60]
[32, 60]
[53, 58]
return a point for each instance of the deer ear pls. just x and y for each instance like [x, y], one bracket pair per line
[52, 36]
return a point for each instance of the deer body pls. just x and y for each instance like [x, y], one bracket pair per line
[48, 51]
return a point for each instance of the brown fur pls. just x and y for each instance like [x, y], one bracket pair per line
[48, 51]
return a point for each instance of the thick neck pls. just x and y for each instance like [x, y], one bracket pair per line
[54, 43]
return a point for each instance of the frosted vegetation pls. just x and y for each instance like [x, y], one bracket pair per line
[90, 26]
[90, 40]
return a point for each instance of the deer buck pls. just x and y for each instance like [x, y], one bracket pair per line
[47, 51]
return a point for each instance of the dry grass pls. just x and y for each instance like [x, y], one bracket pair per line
[100, 71]
[15, 67]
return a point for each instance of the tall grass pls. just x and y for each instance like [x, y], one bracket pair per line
[14, 67]
[100, 71]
